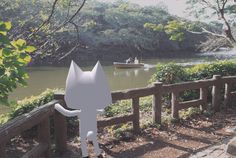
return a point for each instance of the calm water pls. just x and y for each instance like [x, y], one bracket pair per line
[42, 78]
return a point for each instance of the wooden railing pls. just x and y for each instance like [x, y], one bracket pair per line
[40, 116]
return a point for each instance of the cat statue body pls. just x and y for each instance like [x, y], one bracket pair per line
[88, 93]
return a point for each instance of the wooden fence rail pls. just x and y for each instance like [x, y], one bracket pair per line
[40, 116]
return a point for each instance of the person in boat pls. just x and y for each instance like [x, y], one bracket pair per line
[129, 60]
[136, 61]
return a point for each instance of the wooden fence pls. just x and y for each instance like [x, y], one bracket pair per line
[40, 116]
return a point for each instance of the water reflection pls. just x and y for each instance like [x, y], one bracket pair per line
[42, 78]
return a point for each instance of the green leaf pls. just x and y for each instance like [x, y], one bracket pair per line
[30, 49]
[8, 25]
[21, 42]
[24, 58]
[3, 33]
[6, 52]
[27, 59]
[4, 39]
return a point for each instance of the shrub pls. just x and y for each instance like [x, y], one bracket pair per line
[28, 104]
[174, 73]
[206, 71]
[169, 73]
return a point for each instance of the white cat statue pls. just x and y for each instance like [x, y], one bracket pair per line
[88, 93]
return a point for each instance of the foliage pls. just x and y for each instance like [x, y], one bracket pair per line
[169, 73]
[124, 107]
[102, 27]
[223, 11]
[177, 29]
[14, 56]
[27, 104]
[206, 71]
[174, 73]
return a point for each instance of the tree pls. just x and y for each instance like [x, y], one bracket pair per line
[41, 20]
[224, 10]
[14, 56]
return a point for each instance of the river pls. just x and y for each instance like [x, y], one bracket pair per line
[41, 78]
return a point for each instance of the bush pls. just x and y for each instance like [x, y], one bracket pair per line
[27, 104]
[169, 73]
[206, 71]
[174, 73]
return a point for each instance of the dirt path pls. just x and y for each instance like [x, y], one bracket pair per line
[174, 140]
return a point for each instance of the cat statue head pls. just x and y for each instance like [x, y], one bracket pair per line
[87, 90]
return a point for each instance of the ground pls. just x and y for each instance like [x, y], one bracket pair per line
[183, 139]
[194, 136]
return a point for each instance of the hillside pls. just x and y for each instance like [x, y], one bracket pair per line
[107, 32]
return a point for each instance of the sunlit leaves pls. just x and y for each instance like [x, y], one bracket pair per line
[13, 58]
[30, 49]
[175, 29]
[154, 27]
[4, 27]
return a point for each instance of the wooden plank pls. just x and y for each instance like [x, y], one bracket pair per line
[26, 121]
[203, 97]
[60, 125]
[228, 79]
[156, 103]
[2, 150]
[174, 105]
[115, 120]
[124, 94]
[36, 151]
[216, 98]
[227, 94]
[44, 137]
[135, 105]
[191, 103]
[132, 93]
[233, 94]
[187, 85]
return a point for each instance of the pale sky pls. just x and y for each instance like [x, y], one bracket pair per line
[176, 7]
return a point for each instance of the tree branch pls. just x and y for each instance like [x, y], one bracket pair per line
[48, 19]
[68, 53]
[205, 31]
[71, 18]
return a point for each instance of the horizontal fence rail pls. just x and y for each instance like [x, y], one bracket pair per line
[40, 116]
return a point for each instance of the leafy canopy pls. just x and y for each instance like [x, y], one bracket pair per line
[14, 56]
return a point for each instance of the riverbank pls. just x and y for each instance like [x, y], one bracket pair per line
[41, 78]
[107, 58]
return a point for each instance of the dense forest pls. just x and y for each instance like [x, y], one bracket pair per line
[101, 31]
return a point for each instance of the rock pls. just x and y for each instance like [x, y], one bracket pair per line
[231, 147]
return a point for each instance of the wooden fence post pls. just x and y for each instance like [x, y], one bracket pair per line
[216, 98]
[2, 150]
[44, 136]
[135, 105]
[174, 104]
[203, 97]
[156, 103]
[60, 126]
[227, 99]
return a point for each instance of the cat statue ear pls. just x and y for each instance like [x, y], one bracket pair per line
[87, 90]
[103, 95]
[71, 85]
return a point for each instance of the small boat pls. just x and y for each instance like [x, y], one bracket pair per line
[127, 65]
